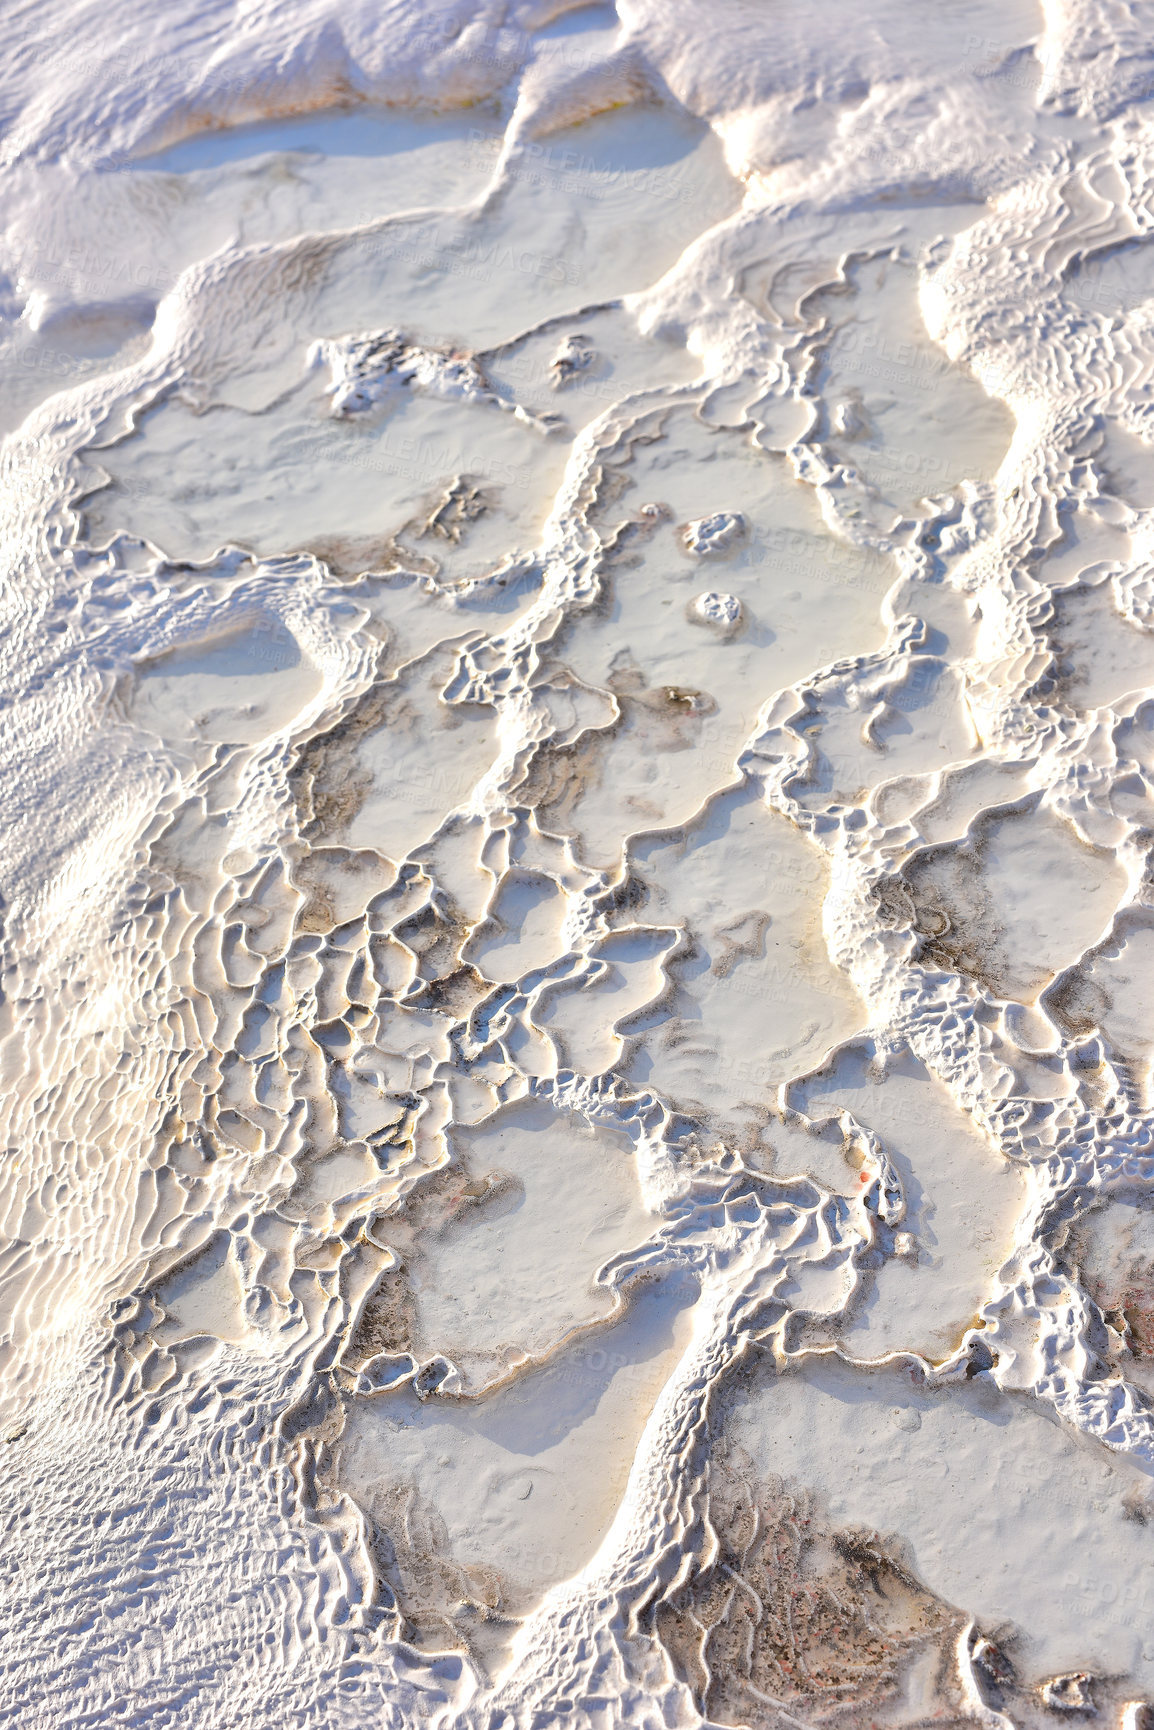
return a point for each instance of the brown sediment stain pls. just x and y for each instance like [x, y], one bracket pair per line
[1078, 1004]
[939, 896]
[1123, 1290]
[1136, 1310]
[742, 938]
[894, 902]
[461, 503]
[792, 1617]
[329, 783]
[436, 937]
[387, 1322]
[680, 700]
[555, 779]
[338, 883]
[326, 783]
[612, 479]
[957, 899]
[619, 542]
[1080, 620]
[452, 994]
[662, 720]
[447, 518]
[1057, 684]
[351, 556]
[439, 1600]
[673, 704]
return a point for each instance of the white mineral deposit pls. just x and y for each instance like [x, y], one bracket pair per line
[577, 1016]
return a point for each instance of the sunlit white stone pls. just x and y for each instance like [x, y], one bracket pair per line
[709, 537]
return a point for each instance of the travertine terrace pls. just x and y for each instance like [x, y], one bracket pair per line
[577, 676]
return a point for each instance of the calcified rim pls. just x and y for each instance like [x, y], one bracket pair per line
[997, 300]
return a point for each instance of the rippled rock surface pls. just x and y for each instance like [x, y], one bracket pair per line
[577, 677]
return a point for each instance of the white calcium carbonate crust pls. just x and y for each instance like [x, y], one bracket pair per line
[427, 946]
